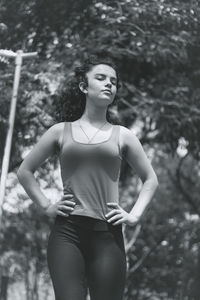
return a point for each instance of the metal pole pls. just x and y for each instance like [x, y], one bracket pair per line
[6, 158]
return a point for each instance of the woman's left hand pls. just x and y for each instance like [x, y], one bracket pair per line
[118, 215]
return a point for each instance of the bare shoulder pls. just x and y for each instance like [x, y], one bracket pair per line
[53, 135]
[45, 147]
[127, 136]
[57, 131]
[124, 131]
[57, 128]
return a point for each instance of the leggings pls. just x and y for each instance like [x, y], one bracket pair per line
[81, 257]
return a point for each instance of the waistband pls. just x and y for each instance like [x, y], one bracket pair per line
[91, 223]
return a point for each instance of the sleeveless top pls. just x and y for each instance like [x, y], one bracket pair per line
[91, 172]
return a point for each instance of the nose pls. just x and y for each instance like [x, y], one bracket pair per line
[108, 83]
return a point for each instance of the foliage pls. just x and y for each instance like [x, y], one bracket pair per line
[156, 46]
[154, 42]
[164, 259]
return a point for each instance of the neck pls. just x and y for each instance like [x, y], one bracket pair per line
[94, 115]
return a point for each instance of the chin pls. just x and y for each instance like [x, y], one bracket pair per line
[108, 98]
[104, 100]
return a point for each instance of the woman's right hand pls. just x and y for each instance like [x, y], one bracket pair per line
[62, 208]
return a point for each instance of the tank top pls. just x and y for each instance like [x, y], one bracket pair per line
[91, 172]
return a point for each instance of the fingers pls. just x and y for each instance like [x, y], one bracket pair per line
[118, 222]
[113, 212]
[114, 218]
[67, 202]
[64, 210]
[115, 215]
[65, 206]
[113, 204]
[67, 196]
[115, 208]
[60, 213]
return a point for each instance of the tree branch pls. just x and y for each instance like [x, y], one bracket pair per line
[138, 264]
[133, 239]
[177, 182]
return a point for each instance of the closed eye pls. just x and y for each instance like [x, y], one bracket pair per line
[103, 77]
[114, 82]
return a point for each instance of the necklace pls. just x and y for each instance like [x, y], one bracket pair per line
[90, 139]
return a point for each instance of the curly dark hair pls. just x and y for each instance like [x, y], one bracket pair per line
[70, 101]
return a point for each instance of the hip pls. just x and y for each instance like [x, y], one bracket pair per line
[84, 231]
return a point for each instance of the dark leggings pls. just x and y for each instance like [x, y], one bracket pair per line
[80, 257]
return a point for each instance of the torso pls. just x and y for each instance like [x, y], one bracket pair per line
[102, 135]
[90, 171]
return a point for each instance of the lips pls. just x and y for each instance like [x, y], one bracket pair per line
[108, 91]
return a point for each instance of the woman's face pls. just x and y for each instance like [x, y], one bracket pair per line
[102, 84]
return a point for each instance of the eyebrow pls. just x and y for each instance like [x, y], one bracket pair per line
[105, 75]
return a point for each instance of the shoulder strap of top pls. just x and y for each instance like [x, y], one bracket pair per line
[115, 137]
[65, 133]
[114, 133]
[120, 148]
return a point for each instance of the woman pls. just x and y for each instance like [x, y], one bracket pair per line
[86, 246]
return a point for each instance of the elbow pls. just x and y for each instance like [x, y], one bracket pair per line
[155, 181]
[21, 174]
[152, 182]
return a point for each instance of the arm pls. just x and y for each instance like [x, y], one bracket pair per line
[42, 150]
[137, 159]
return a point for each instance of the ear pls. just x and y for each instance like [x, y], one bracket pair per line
[83, 87]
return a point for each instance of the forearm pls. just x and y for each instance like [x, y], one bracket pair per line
[30, 185]
[146, 194]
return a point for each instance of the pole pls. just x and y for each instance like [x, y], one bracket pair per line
[6, 158]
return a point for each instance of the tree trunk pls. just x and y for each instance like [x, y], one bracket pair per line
[31, 281]
[197, 278]
[4, 287]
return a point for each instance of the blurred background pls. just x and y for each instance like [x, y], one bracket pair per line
[156, 45]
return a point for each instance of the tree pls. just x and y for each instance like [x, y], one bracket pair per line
[156, 45]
